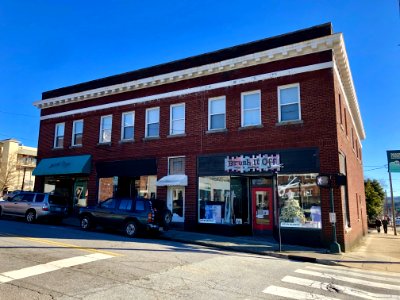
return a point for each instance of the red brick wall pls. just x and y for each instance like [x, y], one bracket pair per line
[319, 128]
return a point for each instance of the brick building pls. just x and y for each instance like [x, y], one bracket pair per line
[233, 139]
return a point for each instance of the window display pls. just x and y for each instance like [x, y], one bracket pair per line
[299, 201]
[221, 200]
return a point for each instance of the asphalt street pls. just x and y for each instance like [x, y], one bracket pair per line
[43, 261]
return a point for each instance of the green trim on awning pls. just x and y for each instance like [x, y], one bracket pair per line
[80, 164]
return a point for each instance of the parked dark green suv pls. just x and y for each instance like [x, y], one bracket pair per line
[127, 214]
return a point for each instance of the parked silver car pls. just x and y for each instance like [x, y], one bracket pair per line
[33, 206]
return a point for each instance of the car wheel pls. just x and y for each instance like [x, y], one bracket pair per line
[131, 228]
[86, 223]
[30, 216]
[166, 218]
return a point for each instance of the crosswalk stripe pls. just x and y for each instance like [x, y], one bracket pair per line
[374, 272]
[357, 274]
[294, 294]
[51, 266]
[339, 288]
[349, 279]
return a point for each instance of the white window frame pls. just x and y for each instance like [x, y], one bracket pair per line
[242, 108]
[209, 112]
[146, 125]
[169, 164]
[123, 127]
[282, 87]
[75, 133]
[171, 127]
[56, 135]
[101, 141]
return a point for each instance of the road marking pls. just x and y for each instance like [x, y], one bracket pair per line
[357, 274]
[61, 244]
[339, 288]
[348, 279]
[51, 266]
[65, 245]
[385, 273]
[294, 294]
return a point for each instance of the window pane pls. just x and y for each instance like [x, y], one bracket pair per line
[217, 121]
[153, 116]
[128, 120]
[251, 117]
[289, 95]
[177, 165]
[290, 112]
[78, 126]
[178, 112]
[78, 139]
[60, 129]
[60, 142]
[217, 106]
[251, 101]
[178, 127]
[106, 136]
[128, 133]
[106, 123]
[152, 129]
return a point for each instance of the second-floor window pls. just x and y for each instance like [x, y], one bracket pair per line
[153, 122]
[127, 126]
[177, 119]
[77, 133]
[105, 129]
[251, 108]
[59, 135]
[289, 103]
[216, 113]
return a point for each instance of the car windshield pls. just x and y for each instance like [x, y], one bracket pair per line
[60, 200]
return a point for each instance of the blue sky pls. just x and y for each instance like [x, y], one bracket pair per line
[49, 44]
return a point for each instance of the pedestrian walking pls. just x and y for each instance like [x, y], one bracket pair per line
[385, 223]
[378, 224]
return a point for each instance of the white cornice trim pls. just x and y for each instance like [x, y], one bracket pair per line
[284, 52]
[203, 88]
[333, 42]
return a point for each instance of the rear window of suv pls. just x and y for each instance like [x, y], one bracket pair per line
[39, 198]
[60, 200]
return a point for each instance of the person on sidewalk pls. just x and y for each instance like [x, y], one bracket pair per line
[378, 224]
[385, 223]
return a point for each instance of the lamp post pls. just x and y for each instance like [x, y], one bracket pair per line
[326, 181]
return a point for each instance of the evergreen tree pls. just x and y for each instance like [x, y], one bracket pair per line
[374, 197]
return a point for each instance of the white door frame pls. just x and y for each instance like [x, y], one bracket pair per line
[170, 197]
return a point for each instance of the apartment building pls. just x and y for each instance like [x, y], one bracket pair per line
[16, 165]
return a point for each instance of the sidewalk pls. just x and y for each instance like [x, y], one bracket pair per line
[376, 252]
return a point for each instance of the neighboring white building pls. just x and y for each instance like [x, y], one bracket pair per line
[16, 165]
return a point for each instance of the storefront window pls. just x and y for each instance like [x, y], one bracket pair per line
[131, 187]
[299, 201]
[106, 188]
[221, 200]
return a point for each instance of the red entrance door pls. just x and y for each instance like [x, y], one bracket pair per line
[262, 208]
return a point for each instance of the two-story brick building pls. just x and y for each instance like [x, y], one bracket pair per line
[233, 139]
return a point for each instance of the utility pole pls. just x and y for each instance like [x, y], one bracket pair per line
[393, 208]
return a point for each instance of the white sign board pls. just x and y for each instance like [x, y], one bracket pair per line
[332, 217]
[253, 163]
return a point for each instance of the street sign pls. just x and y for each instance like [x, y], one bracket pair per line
[393, 161]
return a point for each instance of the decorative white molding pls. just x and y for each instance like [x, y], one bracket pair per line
[333, 42]
[203, 88]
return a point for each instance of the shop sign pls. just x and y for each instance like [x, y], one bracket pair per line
[393, 161]
[252, 163]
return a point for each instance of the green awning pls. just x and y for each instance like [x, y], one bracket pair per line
[63, 165]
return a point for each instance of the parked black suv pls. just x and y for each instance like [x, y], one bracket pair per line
[130, 215]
